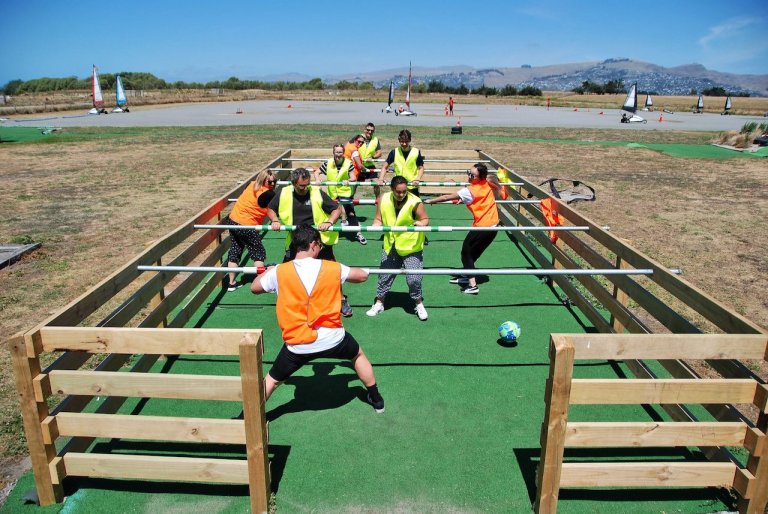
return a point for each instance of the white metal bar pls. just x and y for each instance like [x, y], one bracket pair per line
[382, 228]
[253, 270]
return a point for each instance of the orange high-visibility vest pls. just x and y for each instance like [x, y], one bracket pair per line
[246, 210]
[551, 217]
[483, 207]
[299, 313]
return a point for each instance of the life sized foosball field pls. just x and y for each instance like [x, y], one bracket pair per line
[158, 406]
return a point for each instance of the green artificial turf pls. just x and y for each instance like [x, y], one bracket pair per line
[463, 412]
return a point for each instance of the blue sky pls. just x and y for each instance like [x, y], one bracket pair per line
[196, 40]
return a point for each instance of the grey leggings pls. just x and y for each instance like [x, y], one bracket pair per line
[393, 260]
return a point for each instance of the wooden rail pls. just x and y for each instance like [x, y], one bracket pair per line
[563, 391]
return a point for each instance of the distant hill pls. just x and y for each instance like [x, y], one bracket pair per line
[653, 78]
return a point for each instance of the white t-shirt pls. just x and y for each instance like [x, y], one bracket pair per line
[308, 269]
[465, 195]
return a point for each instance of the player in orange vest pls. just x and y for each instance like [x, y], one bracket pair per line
[308, 304]
[479, 199]
[249, 209]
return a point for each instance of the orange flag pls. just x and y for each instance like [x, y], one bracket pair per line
[552, 218]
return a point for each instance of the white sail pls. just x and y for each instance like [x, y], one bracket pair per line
[408, 92]
[98, 98]
[630, 104]
[700, 102]
[119, 92]
[648, 101]
[728, 103]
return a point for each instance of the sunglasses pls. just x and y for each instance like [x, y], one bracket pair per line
[470, 174]
[360, 141]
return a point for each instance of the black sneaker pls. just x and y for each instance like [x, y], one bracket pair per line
[458, 280]
[378, 406]
[234, 287]
[346, 308]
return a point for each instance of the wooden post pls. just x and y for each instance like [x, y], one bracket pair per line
[158, 299]
[33, 413]
[757, 464]
[256, 441]
[620, 296]
[553, 429]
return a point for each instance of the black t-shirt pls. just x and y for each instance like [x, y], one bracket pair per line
[302, 207]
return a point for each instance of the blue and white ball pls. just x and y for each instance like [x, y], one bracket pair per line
[509, 331]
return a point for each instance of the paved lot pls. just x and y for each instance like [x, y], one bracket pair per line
[359, 113]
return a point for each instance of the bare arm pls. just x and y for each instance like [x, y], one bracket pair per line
[422, 220]
[357, 275]
[384, 170]
[443, 198]
[377, 218]
[256, 287]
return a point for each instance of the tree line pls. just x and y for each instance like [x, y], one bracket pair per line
[147, 81]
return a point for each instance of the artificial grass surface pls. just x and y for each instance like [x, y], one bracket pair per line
[463, 413]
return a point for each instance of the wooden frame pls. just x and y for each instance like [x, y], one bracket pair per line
[557, 433]
[52, 465]
[147, 301]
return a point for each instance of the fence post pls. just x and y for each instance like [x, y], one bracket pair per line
[256, 441]
[26, 368]
[557, 398]
[621, 297]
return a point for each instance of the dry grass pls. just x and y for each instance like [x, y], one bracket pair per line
[94, 203]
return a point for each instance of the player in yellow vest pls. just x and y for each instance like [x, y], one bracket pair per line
[407, 161]
[308, 299]
[401, 249]
[370, 150]
[340, 168]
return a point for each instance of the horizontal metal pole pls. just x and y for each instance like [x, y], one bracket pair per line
[323, 159]
[253, 270]
[373, 201]
[435, 171]
[372, 183]
[382, 228]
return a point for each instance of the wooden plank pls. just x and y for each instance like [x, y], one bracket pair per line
[161, 428]
[665, 314]
[724, 318]
[146, 385]
[757, 466]
[669, 346]
[554, 425]
[254, 415]
[649, 434]
[181, 291]
[654, 391]
[137, 467]
[177, 341]
[622, 298]
[32, 414]
[648, 474]
[152, 289]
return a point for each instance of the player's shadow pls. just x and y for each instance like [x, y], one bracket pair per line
[399, 300]
[320, 391]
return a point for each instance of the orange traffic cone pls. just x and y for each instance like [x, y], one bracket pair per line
[601, 113]
[661, 117]
[575, 109]
[458, 122]
[289, 106]
[446, 110]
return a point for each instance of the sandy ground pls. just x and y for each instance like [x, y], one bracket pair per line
[279, 112]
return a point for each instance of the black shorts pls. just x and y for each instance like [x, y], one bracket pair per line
[287, 362]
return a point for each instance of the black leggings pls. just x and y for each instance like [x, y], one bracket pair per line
[474, 245]
[245, 238]
[287, 362]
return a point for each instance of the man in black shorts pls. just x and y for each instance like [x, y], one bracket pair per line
[308, 304]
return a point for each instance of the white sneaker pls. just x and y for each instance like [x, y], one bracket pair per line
[421, 312]
[376, 308]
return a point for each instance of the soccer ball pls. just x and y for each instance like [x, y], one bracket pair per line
[509, 331]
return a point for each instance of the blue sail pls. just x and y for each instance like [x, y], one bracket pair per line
[120, 92]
